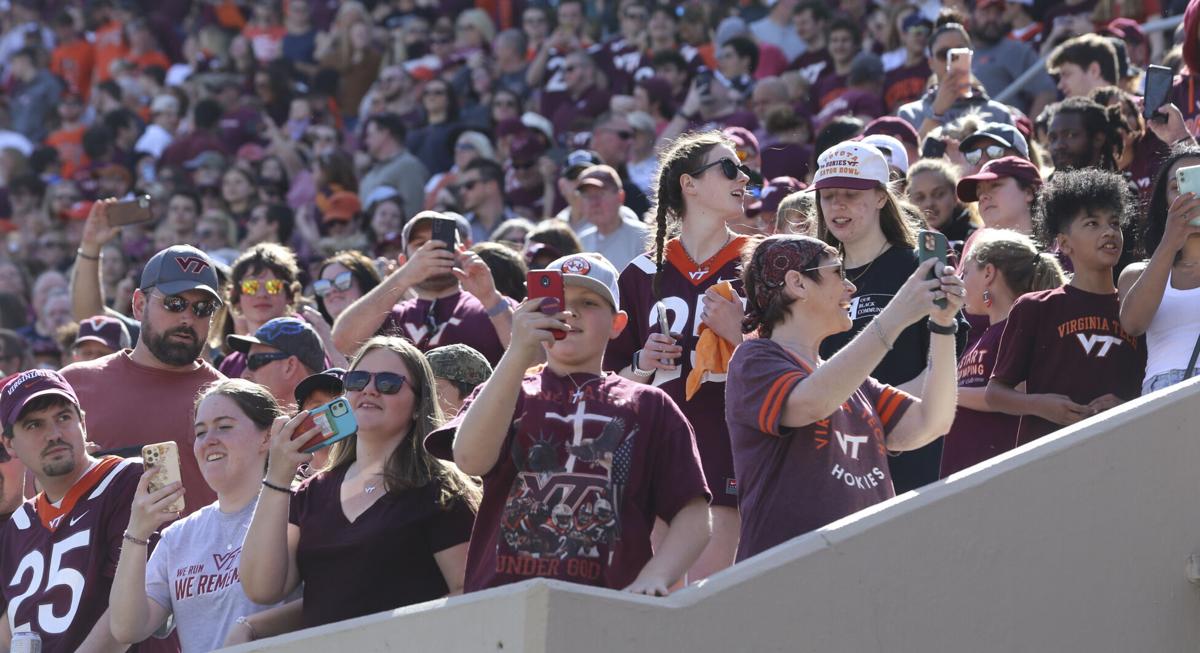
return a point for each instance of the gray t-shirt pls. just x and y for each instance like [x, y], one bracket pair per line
[193, 573]
[999, 65]
[405, 173]
[619, 247]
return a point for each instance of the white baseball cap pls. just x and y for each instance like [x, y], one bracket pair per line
[592, 271]
[851, 164]
[892, 149]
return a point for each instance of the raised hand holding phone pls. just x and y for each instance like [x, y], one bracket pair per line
[932, 244]
[548, 284]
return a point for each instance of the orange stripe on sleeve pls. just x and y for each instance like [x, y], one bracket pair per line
[776, 403]
[765, 408]
[894, 403]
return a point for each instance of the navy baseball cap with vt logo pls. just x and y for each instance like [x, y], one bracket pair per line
[181, 268]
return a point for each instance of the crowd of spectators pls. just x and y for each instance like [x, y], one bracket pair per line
[220, 215]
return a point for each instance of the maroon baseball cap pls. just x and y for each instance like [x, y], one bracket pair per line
[29, 386]
[108, 331]
[1009, 166]
[898, 128]
[775, 190]
[742, 137]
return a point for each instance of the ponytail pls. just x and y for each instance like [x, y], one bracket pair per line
[1047, 274]
[1017, 260]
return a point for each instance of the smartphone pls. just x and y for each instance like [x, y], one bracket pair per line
[704, 80]
[163, 458]
[958, 59]
[933, 148]
[932, 244]
[664, 324]
[127, 212]
[336, 421]
[1189, 182]
[547, 283]
[446, 231]
[1158, 87]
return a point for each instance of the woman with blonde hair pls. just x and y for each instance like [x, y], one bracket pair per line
[1001, 266]
[931, 187]
[385, 524]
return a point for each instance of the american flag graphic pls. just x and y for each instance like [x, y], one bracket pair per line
[622, 465]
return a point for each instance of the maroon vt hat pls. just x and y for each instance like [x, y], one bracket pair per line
[775, 190]
[29, 386]
[898, 128]
[1009, 166]
[108, 331]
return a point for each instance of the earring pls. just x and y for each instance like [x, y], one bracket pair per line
[987, 298]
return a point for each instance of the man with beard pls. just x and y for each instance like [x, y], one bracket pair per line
[144, 395]
[1084, 134]
[998, 60]
[72, 530]
[441, 313]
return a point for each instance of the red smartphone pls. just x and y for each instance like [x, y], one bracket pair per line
[547, 283]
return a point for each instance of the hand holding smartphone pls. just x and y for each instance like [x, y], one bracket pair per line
[336, 421]
[446, 231]
[127, 212]
[932, 244]
[163, 458]
[1158, 87]
[549, 284]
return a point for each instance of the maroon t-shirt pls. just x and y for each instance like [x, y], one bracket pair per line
[683, 284]
[1148, 156]
[829, 87]
[812, 64]
[978, 435]
[458, 318]
[794, 480]
[57, 565]
[127, 406]
[588, 463]
[905, 84]
[381, 561]
[1070, 342]
[577, 114]
[620, 61]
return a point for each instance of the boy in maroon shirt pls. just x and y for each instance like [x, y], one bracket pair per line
[576, 462]
[1067, 344]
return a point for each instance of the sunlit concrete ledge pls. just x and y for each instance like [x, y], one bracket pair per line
[1077, 542]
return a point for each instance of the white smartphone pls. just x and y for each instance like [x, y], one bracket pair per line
[958, 59]
[163, 458]
[1189, 182]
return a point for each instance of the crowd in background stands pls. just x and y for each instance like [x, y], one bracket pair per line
[345, 199]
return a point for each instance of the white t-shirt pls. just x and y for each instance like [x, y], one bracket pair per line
[193, 573]
[619, 247]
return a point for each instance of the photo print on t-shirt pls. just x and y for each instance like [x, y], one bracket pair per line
[563, 508]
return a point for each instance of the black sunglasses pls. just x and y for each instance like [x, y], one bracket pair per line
[201, 308]
[387, 383]
[342, 281]
[728, 168]
[256, 361]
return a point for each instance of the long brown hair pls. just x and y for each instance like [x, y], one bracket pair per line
[1017, 259]
[898, 219]
[684, 155]
[409, 465]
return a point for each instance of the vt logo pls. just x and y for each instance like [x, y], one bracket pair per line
[223, 561]
[191, 264]
[849, 443]
[1089, 342]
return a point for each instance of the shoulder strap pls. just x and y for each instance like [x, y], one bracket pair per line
[1191, 368]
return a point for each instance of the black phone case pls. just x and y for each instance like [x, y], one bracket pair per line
[1158, 87]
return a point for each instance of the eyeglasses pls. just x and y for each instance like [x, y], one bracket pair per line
[635, 15]
[728, 168]
[254, 362]
[201, 308]
[205, 234]
[342, 281]
[623, 134]
[570, 69]
[250, 286]
[841, 269]
[974, 156]
[435, 91]
[520, 166]
[387, 383]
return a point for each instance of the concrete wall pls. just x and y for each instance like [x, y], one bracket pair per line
[1077, 542]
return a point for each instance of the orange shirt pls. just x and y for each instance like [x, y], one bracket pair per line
[110, 46]
[152, 58]
[74, 62]
[69, 143]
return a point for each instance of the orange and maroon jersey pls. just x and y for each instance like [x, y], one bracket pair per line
[683, 284]
[57, 562]
[74, 63]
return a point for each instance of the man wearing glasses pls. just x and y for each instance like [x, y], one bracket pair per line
[144, 395]
[281, 353]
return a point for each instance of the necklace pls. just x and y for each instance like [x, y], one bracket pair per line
[578, 394]
[868, 268]
[699, 266]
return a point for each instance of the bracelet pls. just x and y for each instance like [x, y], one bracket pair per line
[129, 538]
[934, 327]
[87, 257]
[498, 309]
[638, 371]
[879, 332]
[249, 626]
[277, 488]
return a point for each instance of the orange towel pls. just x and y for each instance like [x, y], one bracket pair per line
[712, 352]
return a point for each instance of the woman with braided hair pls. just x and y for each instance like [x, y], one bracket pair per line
[699, 189]
[811, 437]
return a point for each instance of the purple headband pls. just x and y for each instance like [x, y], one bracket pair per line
[776, 255]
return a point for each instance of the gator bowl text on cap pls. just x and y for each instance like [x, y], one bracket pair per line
[858, 166]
